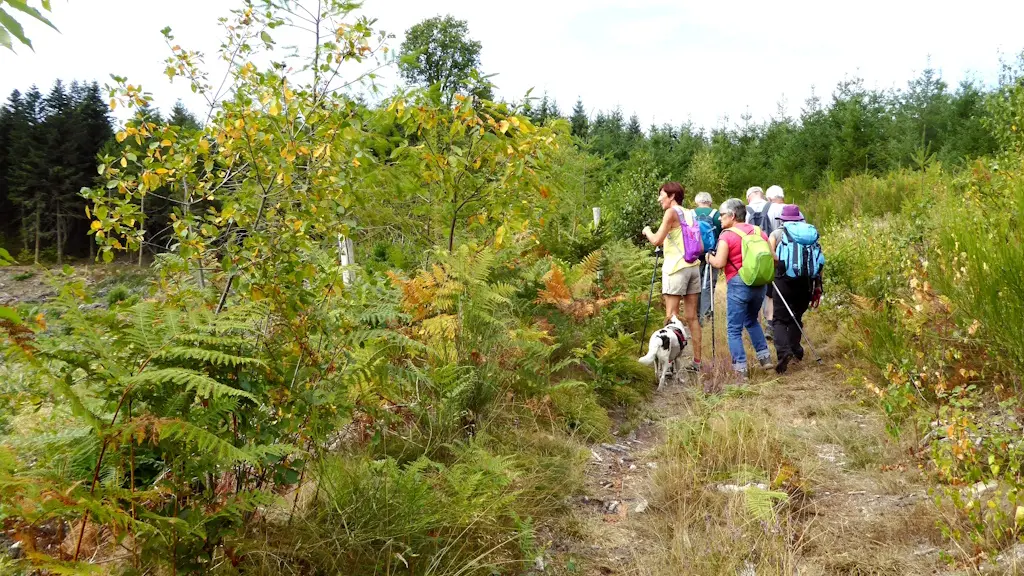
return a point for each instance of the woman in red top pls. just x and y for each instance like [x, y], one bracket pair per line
[744, 301]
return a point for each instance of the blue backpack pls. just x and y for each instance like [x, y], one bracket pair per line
[707, 230]
[799, 252]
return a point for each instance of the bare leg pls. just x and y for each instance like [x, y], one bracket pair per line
[671, 306]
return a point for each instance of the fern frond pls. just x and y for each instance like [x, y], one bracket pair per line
[208, 356]
[761, 503]
[63, 385]
[203, 385]
[204, 441]
[213, 340]
[589, 265]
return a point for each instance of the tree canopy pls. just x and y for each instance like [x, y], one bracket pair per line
[438, 51]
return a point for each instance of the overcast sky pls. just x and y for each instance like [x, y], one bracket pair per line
[667, 61]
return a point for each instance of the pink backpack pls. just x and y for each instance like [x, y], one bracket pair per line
[693, 246]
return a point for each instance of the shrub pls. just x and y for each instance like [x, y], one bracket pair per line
[118, 294]
[631, 200]
[578, 411]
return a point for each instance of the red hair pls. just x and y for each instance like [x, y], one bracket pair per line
[673, 190]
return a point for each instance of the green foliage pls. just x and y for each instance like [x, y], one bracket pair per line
[118, 294]
[119, 385]
[438, 52]
[940, 321]
[1005, 106]
[9, 26]
[705, 175]
[579, 412]
[632, 200]
[48, 148]
[616, 374]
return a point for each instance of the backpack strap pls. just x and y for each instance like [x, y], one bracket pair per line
[765, 220]
[680, 213]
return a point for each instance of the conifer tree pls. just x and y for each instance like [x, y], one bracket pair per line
[579, 122]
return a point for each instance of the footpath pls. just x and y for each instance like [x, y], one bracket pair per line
[787, 475]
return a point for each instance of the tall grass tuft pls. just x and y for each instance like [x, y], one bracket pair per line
[721, 489]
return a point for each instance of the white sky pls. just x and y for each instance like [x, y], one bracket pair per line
[668, 61]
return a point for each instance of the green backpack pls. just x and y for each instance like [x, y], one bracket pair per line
[758, 267]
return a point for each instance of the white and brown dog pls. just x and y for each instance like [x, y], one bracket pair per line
[666, 349]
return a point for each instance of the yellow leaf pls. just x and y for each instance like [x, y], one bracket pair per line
[96, 225]
[355, 162]
[274, 109]
[124, 162]
[113, 103]
[165, 143]
[499, 236]
[503, 126]
[121, 136]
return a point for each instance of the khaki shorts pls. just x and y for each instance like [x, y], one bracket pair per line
[682, 283]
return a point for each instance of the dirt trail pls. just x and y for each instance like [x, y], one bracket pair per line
[863, 506]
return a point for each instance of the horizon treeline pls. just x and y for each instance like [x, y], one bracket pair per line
[49, 149]
[49, 146]
[855, 130]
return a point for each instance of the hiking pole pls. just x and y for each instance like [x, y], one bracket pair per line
[801, 328]
[711, 281]
[650, 297]
[708, 284]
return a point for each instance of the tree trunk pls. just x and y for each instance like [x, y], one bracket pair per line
[60, 247]
[451, 232]
[38, 211]
[142, 225]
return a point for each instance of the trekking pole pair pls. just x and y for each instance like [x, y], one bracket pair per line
[801, 328]
[650, 297]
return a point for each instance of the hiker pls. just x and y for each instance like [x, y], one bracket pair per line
[777, 198]
[741, 254]
[758, 214]
[799, 262]
[680, 276]
[709, 274]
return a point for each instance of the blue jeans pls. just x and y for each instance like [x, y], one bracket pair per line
[744, 302]
[707, 290]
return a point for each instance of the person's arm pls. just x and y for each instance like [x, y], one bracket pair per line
[774, 242]
[720, 256]
[658, 238]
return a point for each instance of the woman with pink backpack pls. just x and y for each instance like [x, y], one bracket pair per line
[680, 235]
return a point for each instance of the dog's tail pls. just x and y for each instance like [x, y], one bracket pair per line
[647, 360]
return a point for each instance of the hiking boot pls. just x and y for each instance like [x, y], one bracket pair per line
[765, 362]
[799, 352]
[741, 377]
[692, 368]
[783, 364]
